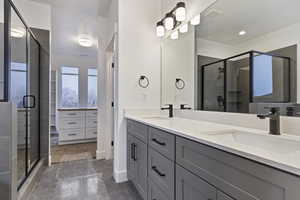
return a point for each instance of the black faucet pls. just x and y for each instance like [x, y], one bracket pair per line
[170, 108]
[274, 116]
[182, 107]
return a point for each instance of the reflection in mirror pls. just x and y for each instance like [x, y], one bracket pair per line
[244, 62]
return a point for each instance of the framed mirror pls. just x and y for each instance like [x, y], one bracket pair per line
[241, 58]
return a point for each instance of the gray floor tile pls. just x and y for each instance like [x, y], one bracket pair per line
[82, 180]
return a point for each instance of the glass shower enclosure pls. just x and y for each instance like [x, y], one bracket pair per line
[19, 83]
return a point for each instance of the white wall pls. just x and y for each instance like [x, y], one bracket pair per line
[138, 54]
[36, 15]
[178, 58]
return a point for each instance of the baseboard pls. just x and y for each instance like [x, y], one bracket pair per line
[27, 187]
[120, 176]
[100, 155]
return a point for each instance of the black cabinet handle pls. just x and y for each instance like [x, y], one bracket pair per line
[134, 150]
[158, 142]
[154, 168]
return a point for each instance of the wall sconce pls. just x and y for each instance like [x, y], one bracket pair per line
[171, 19]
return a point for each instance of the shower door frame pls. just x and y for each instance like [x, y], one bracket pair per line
[8, 5]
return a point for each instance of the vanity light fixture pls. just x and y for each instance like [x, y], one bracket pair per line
[184, 28]
[17, 32]
[180, 11]
[85, 41]
[169, 21]
[160, 29]
[242, 32]
[175, 35]
[196, 20]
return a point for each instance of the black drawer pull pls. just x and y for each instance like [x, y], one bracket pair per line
[70, 123]
[158, 142]
[73, 134]
[154, 168]
[134, 152]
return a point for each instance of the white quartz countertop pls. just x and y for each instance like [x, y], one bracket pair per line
[281, 152]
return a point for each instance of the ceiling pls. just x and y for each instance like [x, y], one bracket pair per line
[72, 18]
[226, 18]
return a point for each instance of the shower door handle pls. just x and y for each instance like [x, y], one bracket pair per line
[26, 100]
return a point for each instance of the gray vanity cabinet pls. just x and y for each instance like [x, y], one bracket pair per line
[164, 166]
[191, 187]
[137, 158]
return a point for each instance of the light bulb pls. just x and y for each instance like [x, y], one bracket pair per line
[196, 20]
[184, 28]
[160, 30]
[180, 12]
[169, 21]
[174, 35]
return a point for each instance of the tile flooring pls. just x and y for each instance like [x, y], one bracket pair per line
[82, 180]
[71, 152]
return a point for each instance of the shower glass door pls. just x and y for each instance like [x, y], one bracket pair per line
[24, 92]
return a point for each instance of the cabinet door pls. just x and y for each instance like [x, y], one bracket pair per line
[141, 168]
[191, 187]
[131, 166]
[222, 196]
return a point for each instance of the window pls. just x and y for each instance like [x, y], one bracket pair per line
[92, 87]
[69, 87]
[18, 83]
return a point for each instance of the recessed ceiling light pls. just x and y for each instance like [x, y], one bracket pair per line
[85, 41]
[242, 32]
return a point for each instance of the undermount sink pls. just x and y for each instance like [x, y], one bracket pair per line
[276, 144]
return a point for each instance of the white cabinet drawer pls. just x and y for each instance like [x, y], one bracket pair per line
[91, 133]
[75, 134]
[91, 113]
[70, 123]
[91, 122]
[70, 114]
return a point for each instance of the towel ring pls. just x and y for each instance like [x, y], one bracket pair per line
[179, 84]
[143, 81]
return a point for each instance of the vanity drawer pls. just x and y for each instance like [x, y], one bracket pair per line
[162, 142]
[238, 177]
[139, 130]
[161, 172]
[191, 187]
[91, 113]
[155, 192]
[91, 122]
[75, 134]
[70, 123]
[91, 133]
[70, 114]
